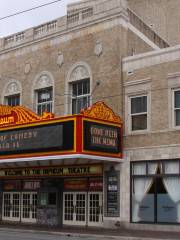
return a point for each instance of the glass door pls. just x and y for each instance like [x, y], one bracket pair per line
[74, 210]
[11, 206]
[80, 208]
[95, 209]
[68, 209]
[28, 206]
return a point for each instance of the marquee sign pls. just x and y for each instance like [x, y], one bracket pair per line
[97, 130]
[58, 171]
[101, 137]
[38, 138]
[102, 131]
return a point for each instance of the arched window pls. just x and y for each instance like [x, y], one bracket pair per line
[43, 93]
[12, 93]
[78, 88]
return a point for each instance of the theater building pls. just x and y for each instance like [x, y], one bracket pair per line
[60, 170]
[61, 165]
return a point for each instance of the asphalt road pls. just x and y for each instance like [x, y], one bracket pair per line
[35, 235]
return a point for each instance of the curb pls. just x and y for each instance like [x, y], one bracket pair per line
[82, 235]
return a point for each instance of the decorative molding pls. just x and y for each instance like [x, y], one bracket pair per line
[80, 72]
[153, 152]
[137, 82]
[12, 88]
[173, 75]
[101, 111]
[43, 81]
[151, 58]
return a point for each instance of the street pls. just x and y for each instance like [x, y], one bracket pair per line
[12, 234]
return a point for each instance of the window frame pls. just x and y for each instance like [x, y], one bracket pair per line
[6, 97]
[82, 96]
[154, 177]
[130, 97]
[174, 125]
[37, 91]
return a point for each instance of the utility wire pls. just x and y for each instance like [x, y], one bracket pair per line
[28, 10]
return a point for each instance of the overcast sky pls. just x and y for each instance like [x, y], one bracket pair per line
[29, 19]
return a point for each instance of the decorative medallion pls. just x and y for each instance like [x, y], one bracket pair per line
[10, 116]
[43, 82]
[60, 60]
[27, 68]
[12, 88]
[98, 48]
[80, 72]
[101, 111]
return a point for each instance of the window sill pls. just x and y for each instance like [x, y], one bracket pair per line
[175, 128]
[140, 132]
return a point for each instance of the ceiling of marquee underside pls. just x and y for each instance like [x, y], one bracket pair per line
[46, 162]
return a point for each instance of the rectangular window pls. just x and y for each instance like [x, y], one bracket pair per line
[155, 192]
[80, 95]
[12, 100]
[177, 108]
[138, 113]
[44, 100]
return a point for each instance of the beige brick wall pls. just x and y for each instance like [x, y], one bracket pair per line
[162, 15]
[136, 45]
[161, 130]
[106, 68]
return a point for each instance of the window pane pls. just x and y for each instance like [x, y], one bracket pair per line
[74, 111]
[44, 100]
[143, 200]
[177, 99]
[13, 100]
[152, 168]
[86, 87]
[177, 113]
[168, 205]
[80, 103]
[171, 167]
[139, 104]
[139, 122]
[74, 89]
[39, 110]
[80, 95]
[139, 169]
[44, 95]
[80, 88]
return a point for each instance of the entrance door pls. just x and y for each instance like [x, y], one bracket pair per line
[28, 206]
[82, 208]
[95, 209]
[74, 210]
[11, 206]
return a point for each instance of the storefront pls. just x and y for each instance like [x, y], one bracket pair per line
[60, 171]
[155, 191]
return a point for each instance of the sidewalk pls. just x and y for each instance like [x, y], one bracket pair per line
[120, 234]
